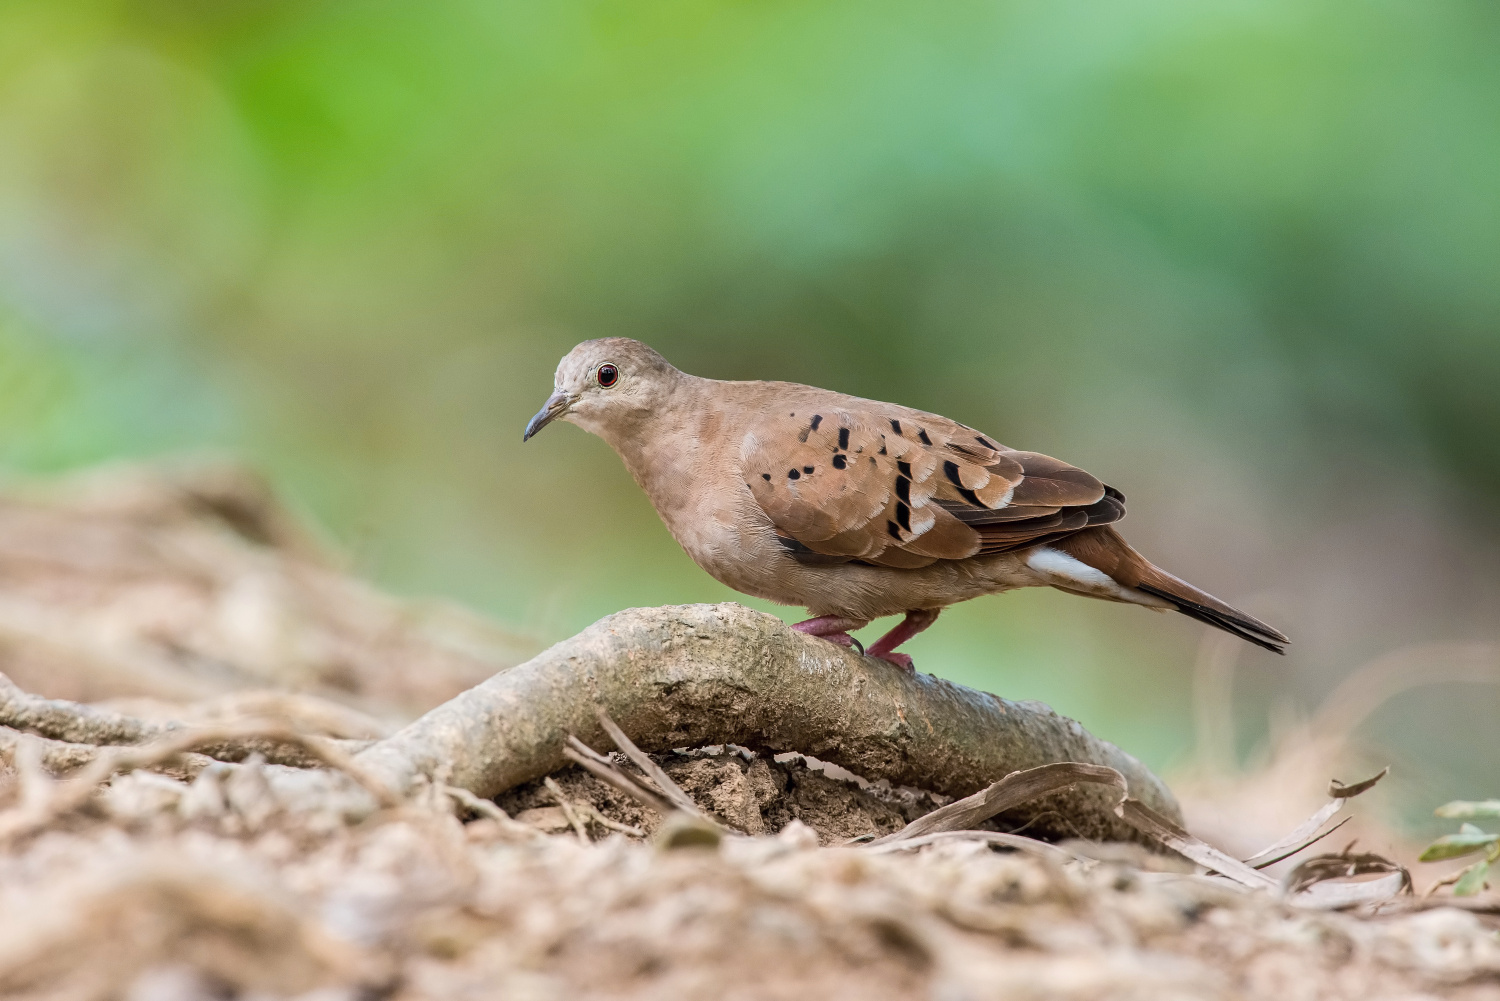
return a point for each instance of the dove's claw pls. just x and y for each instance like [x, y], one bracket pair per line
[834, 629]
[842, 639]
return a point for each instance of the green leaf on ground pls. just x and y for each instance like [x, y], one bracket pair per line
[1456, 845]
[1473, 879]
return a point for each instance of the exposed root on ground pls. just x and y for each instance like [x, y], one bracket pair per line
[688, 676]
[694, 675]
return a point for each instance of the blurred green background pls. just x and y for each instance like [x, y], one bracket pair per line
[1238, 259]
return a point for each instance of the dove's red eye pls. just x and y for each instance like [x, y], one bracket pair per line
[608, 375]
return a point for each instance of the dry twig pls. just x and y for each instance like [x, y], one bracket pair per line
[667, 798]
[566, 806]
[603, 769]
[664, 784]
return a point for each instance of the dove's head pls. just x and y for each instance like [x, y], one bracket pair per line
[606, 384]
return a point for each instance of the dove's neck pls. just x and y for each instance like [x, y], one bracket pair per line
[673, 451]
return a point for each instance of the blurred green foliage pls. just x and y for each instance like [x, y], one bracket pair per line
[1239, 259]
[1469, 840]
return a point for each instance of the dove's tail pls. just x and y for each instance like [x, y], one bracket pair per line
[1102, 548]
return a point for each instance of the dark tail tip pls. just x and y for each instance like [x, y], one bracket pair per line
[1247, 628]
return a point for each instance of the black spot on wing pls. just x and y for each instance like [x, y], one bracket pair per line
[904, 468]
[950, 470]
[893, 529]
[986, 442]
[903, 515]
[766, 477]
[817, 419]
[840, 461]
[792, 474]
[922, 437]
[895, 425]
[808, 470]
[970, 496]
[843, 437]
[903, 489]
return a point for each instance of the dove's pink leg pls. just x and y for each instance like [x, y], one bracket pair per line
[916, 620]
[834, 629]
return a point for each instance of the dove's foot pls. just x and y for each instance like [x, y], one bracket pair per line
[884, 648]
[834, 629]
[844, 639]
[901, 660]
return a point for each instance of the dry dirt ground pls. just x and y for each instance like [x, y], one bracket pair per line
[750, 793]
[210, 885]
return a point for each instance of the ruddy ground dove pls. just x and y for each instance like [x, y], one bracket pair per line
[854, 508]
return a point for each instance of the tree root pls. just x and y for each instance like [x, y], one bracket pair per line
[58, 719]
[680, 676]
[70, 733]
[691, 675]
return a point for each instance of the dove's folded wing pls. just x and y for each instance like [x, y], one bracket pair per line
[897, 487]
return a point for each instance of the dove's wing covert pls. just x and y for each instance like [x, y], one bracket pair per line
[898, 487]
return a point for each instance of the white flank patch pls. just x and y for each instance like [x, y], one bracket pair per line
[1066, 571]
[1056, 563]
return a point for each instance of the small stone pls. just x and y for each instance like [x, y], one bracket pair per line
[681, 830]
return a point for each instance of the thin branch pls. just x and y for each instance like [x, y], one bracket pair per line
[613, 776]
[479, 807]
[593, 816]
[567, 808]
[601, 767]
[642, 760]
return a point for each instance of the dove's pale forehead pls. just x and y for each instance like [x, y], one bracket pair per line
[629, 356]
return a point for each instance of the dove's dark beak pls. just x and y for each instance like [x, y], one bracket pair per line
[557, 404]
